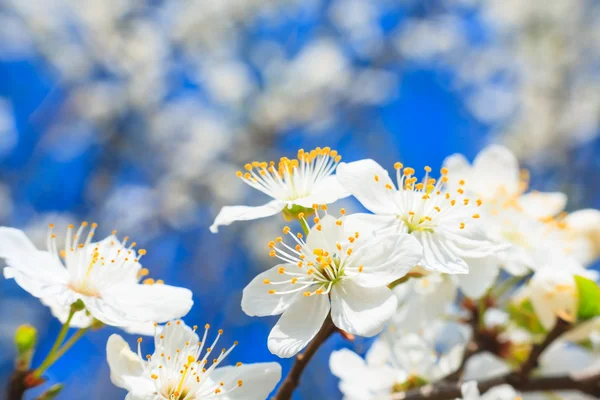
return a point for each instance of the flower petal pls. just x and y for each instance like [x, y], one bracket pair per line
[327, 191]
[369, 224]
[258, 380]
[346, 364]
[437, 257]
[495, 169]
[126, 305]
[482, 275]
[123, 362]
[256, 300]
[230, 214]
[543, 205]
[386, 259]
[298, 325]
[38, 272]
[366, 180]
[360, 310]
[326, 237]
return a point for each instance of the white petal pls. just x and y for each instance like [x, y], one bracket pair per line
[369, 224]
[126, 305]
[359, 179]
[437, 257]
[346, 364]
[258, 380]
[484, 366]
[298, 325]
[482, 275]
[495, 169]
[327, 237]
[256, 300]
[360, 310]
[562, 358]
[552, 290]
[501, 392]
[81, 319]
[175, 333]
[230, 214]
[458, 169]
[327, 191]
[386, 259]
[379, 353]
[543, 205]
[470, 391]
[35, 271]
[122, 362]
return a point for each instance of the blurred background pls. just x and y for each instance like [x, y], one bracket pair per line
[136, 114]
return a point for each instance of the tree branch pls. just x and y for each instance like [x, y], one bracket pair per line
[293, 378]
[520, 379]
[531, 363]
[19, 382]
[451, 391]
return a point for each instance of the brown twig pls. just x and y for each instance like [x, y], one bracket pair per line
[293, 378]
[450, 391]
[531, 363]
[520, 379]
[19, 382]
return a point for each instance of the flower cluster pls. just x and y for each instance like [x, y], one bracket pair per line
[514, 259]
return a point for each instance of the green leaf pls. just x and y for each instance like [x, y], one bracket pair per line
[523, 314]
[589, 298]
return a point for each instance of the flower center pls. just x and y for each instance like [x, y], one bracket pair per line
[292, 179]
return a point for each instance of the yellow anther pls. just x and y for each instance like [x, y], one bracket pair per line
[142, 252]
[453, 202]
[376, 177]
[281, 270]
[140, 340]
[466, 201]
[271, 244]
[266, 281]
[388, 186]
[475, 216]
[444, 171]
[206, 327]
[279, 239]
[462, 225]
[286, 230]
[240, 382]
[294, 280]
[398, 165]
[339, 223]
[324, 207]
[436, 208]
[148, 281]
[319, 227]
[319, 291]
[479, 202]
[238, 364]
[360, 268]
[427, 168]
[272, 253]
[461, 182]
[300, 215]
[143, 272]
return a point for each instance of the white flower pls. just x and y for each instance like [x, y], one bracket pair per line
[495, 177]
[423, 300]
[397, 362]
[447, 224]
[300, 182]
[104, 275]
[511, 215]
[182, 368]
[503, 392]
[585, 225]
[335, 265]
[553, 292]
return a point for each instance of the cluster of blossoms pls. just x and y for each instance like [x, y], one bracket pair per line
[515, 261]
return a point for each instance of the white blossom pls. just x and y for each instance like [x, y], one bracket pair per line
[182, 368]
[334, 269]
[303, 182]
[446, 223]
[105, 275]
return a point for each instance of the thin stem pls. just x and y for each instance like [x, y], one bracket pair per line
[59, 340]
[304, 226]
[72, 340]
[293, 378]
